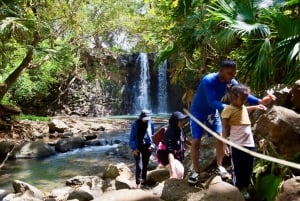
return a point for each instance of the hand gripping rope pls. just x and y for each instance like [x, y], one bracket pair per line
[255, 154]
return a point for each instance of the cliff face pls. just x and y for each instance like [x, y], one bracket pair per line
[105, 85]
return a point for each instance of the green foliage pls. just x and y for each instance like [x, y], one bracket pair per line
[267, 187]
[6, 101]
[193, 35]
[262, 37]
[33, 117]
[37, 83]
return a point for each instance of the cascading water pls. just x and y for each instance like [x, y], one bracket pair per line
[162, 88]
[142, 97]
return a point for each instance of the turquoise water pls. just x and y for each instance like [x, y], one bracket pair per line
[52, 172]
[49, 173]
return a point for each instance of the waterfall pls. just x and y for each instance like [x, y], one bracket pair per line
[142, 97]
[162, 93]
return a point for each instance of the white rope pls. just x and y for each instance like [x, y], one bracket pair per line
[255, 154]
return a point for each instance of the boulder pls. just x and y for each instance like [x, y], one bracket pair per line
[178, 190]
[57, 125]
[68, 144]
[80, 195]
[128, 195]
[60, 193]
[36, 149]
[115, 170]
[296, 96]
[219, 190]
[290, 190]
[158, 175]
[27, 191]
[282, 127]
[3, 193]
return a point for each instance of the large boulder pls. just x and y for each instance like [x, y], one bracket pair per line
[56, 125]
[296, 96]
[128, 195]
[290, 190]
[24, 191]
[282, 127]
[178, 190]
[36, 149]
[219, 190]
[214, 190]
[68, 144]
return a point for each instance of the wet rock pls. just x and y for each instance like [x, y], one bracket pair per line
[80, 195]
[36, 149]
[26, 190]
[68, 144]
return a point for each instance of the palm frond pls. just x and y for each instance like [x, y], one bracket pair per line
[251, 30]
[226, 38]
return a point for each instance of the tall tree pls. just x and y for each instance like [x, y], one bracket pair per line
[19, 28]
[36, 32]
[201, 33]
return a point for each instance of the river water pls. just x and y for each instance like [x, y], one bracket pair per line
[52, 172]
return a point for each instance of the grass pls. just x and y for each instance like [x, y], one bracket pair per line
[33, 117]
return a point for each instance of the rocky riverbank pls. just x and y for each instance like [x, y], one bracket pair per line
[117, 181]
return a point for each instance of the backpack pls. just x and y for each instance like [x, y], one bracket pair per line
[159, 135]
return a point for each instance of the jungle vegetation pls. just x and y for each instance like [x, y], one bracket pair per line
[42, 42]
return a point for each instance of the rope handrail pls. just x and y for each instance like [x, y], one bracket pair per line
[255, 154]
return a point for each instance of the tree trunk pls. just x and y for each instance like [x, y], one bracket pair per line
[17, 72]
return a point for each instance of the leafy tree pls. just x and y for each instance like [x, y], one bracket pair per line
[263, 37]
[45, 39]
[269, 39]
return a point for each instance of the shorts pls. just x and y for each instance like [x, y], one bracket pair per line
[212, 121]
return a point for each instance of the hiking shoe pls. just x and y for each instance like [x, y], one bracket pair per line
[193, 179]
[223, 173]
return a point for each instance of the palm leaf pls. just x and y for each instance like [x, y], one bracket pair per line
[252, 30]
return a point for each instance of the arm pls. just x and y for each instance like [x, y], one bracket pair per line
[264, 101]
[172, 168]
[152, 146]
[225, 128]
[267, 99]
[225, 134]
[256, 107]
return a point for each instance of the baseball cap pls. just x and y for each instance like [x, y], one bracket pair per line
[179, 115]
[145, 115]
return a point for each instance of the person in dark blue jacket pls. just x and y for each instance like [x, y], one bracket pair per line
[141, 144]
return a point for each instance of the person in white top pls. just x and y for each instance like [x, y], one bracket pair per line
[237, 126]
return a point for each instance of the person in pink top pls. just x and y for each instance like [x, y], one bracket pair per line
[237, 126]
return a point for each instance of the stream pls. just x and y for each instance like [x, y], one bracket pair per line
[52, 172]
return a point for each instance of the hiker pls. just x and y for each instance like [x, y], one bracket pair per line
[170, 150]
[142, 145]
[206, 107]
[237, 126]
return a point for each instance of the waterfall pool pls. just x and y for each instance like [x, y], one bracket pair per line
[52, 172]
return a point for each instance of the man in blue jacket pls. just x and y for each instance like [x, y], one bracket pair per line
[207, 106]
[141, 144]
